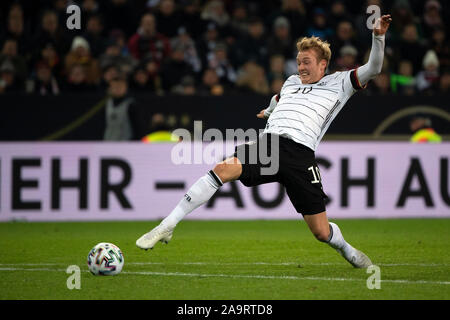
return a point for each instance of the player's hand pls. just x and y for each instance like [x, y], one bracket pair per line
[382, 25]
[261, 115]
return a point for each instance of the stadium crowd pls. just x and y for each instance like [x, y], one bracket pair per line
[213, 47]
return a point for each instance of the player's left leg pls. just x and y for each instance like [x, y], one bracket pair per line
[198, 194]
[231, 169]
[330, 233]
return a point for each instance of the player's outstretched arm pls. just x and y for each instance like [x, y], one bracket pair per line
[265, 113]
[382, 25]
[373, 67]
[261, 114]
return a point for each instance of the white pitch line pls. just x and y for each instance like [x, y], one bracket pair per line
[246, 263]
[279, 277]
[237, 276]
[32, 264]
[287, 264]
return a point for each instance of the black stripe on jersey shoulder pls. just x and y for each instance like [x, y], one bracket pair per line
[355, 81]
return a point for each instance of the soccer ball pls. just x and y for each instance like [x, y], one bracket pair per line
[105, 259]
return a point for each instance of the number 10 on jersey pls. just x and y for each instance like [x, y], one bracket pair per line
[316, 174]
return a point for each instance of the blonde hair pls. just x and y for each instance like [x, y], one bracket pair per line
[322, 48]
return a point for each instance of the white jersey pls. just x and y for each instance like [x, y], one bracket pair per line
[304, 111]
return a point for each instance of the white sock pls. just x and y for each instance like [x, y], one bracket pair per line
[199, 193]
[337, 241]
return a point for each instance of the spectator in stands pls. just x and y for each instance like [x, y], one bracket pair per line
[345, 35]
[76, 80]
[168, 18]
[402, 15]
[337, 14]
[280, 41]
[190, 16]
[208, 42]
[89, 7]
[10, 53]
[219, 61]
[8, 79]
[109, 72]
[43, 82]
[381, 85]
[154, 75]
[319, 26]
[432, 17]
[174, 69]
[444, 83]
[276, 85]
[114, 56]
[427, 80]
[410, 47]
[125, 120]
[121, 14]
[50, 31]
[253, 45]
[215, 11]
[143, 81]
[50, 56]
[295, 12]
[403, 82]
[186, 87]
[252, 78]
[184, 40]
[80, 55]
[16, 11]
[119, 37]
[15, 29]
[276, 68]
[239, 19]
[441, 45]
[148, 43]
[201, 25]
[140, 81]
[347, 59]
[210, 85]
[94, 35]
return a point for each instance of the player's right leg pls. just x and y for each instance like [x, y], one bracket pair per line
[330, 233]
[199, 193]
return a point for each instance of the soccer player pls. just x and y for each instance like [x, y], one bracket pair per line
[299, 116]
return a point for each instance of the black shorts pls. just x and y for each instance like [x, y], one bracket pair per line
[297, 171]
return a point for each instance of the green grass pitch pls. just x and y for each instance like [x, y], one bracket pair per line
[218, 260]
